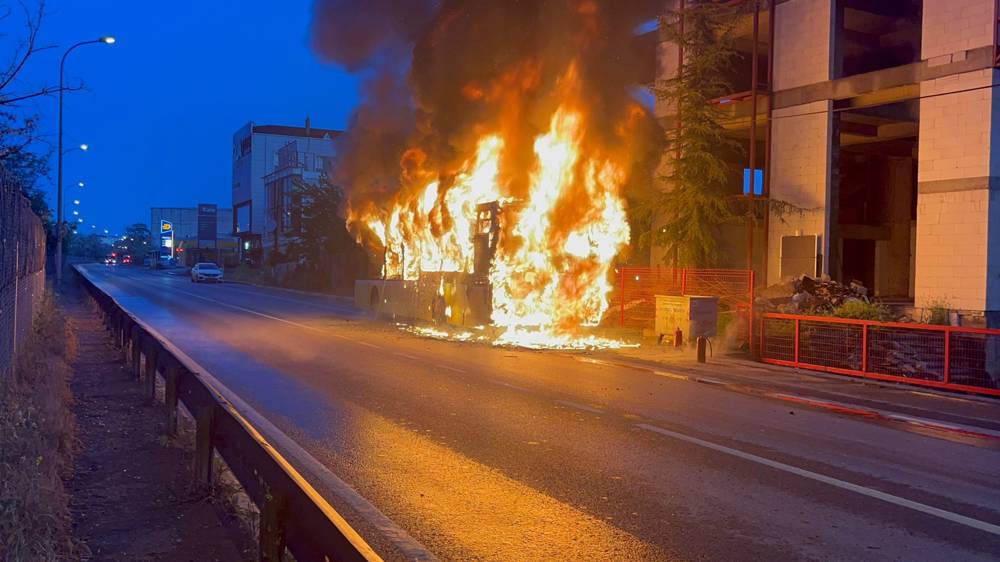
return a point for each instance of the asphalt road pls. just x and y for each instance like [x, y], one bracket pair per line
[463, 451]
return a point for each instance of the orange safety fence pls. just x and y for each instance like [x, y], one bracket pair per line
[949, 357]
[634, 297]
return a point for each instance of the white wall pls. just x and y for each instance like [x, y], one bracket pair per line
[958, 214]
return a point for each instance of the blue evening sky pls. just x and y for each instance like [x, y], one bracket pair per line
[161, 104]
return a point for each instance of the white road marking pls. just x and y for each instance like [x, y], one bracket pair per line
[508, 385]
[594, 361]
[407, 356]
[872, 493]
[366, 344]
[455, 369]
[265, 294]
[578, 406]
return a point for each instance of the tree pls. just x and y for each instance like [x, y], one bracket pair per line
[695, 201]
[327, 254]
[19, 140]
[136, 242]
[88, 246]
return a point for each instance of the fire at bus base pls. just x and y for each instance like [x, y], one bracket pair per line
[488, 178]
[473, 253]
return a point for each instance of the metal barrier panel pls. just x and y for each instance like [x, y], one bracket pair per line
[950, 357]
[780, 341]
[974, 358]
[835, 346]
[907, 352]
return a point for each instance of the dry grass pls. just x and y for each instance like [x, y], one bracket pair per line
[37, 442]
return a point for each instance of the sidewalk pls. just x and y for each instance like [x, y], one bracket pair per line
[132, 493]
[896, 403]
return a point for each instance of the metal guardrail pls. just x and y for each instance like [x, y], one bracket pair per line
[947, 357]
[293, 514]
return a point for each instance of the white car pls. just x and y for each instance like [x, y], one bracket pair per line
[206, 271]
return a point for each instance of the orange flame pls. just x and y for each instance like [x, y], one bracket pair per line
[550, 274]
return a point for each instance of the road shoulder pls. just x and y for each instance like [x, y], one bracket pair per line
[132, 494]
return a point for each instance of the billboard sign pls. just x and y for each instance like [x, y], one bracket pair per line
[207, 224]
[166, 239]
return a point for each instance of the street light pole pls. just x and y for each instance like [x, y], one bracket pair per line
[59, 199]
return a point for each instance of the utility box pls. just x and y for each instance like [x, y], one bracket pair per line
[695, 316]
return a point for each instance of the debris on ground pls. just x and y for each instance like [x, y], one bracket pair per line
[810, 295]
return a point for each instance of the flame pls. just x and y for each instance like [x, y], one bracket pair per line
[550, 274]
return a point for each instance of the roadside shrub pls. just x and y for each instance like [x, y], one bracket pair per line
[37, 442]
[861, 310]
[937, 312]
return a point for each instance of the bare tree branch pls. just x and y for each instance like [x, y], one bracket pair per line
[43, 92]
[33, 24]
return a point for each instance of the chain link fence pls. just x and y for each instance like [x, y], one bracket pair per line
[22, 268]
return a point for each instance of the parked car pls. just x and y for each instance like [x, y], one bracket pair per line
[206, 271]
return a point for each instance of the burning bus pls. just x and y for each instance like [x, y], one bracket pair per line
[469, 251]
[486, 167]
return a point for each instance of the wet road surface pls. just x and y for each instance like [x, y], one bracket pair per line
[467, 452]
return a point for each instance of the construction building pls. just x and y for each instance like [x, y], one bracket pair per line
[878, 120]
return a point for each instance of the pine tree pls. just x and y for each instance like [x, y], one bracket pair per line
[694, 200]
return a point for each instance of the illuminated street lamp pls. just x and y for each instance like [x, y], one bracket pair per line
[79, 184]
[76, 201]
[107, 40]
[76, 213]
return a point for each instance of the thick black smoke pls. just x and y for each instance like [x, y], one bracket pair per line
[444, 73]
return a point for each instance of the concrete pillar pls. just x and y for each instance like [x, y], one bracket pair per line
[958, 201]
[802, 139]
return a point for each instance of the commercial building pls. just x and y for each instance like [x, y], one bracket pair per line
[268, 160]
[202, 233]
[880, 122]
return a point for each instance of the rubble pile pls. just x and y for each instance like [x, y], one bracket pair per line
[810, 295]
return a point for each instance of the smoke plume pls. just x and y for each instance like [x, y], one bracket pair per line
[440, 74]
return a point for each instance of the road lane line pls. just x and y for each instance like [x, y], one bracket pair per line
[455, 369]
[508, 385]
[407, 356]
[366, 344]
[268, 316]
[865, 491]
[301, 302]
[578, 406]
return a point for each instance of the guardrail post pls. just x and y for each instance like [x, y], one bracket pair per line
[152, 354]
[136, 347]
[203, 444]
[272, 528]
[170, 396]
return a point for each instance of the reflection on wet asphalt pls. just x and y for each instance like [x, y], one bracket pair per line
[497, 454]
